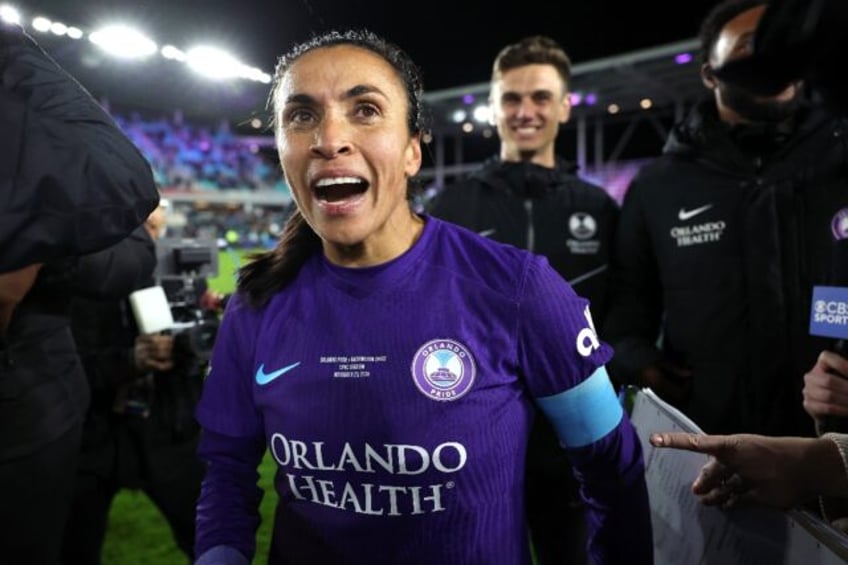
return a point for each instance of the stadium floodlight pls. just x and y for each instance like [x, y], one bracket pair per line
[213, 62]
[123, 41]
[41, 24]
[254, 74]
[482, 114]
[74, 32]
[58, 28]
[10, 14]
[171, 52]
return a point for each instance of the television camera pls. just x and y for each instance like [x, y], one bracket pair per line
[183, 266]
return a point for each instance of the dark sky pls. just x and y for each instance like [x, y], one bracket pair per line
[453, 42]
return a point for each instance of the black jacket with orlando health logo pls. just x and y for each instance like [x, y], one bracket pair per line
[551, 212]
[721, 241]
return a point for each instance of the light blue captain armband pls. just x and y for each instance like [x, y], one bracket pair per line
[584, 414]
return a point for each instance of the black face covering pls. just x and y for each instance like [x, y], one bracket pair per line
[756, 110]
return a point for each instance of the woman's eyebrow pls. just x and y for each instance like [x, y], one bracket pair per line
[361, 89]
[353, 92]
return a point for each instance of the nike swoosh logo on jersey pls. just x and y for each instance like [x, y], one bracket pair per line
[487, 233]
[684, 214]
[264, 378]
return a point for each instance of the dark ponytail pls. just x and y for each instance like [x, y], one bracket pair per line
[269, 272]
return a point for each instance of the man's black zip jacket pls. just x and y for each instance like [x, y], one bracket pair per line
[720, 243]
[551, 212]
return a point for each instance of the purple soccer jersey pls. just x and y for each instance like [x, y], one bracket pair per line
[397, 400]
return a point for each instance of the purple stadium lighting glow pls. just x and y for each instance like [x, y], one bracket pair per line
[468, 99]
[683, 58]
[591, 99]
[576, 98]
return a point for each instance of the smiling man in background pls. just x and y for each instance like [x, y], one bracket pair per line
[529, 197]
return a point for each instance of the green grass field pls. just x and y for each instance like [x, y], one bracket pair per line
[139, 535]
[228, 263]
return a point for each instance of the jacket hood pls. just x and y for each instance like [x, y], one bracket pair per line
[523, 179]
[704, 135]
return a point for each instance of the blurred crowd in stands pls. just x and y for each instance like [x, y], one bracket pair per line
[193, 157]
[187, 156]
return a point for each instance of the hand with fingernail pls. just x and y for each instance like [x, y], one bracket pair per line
[780, 472]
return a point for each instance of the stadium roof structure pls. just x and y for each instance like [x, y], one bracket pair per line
[666, 74]
[596, 135]
[613, 98]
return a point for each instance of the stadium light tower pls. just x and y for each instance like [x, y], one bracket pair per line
[126, 42]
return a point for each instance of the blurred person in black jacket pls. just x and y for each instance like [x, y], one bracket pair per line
[43, 397]
[70, 183]
[529, 197]
[139, 431]
[722, 240]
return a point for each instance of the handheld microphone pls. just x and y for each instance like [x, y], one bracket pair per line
[151, 310]
[829, 315]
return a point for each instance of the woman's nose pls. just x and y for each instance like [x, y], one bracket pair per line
[331, 138]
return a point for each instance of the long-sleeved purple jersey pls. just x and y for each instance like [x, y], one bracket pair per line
[396, 401]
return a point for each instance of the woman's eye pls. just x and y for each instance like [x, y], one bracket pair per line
[299, 116]
[367, 110]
